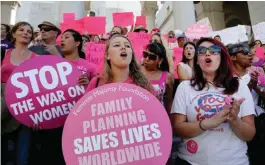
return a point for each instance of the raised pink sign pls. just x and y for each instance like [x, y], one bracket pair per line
[197, 31]
[42, 91]
[117, 124]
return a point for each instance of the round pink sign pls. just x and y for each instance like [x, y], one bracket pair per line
[42, 91]
[117, 124]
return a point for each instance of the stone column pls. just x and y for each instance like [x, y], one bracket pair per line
[8, 11]
[184, 14]
[214, 11]
[256, 12]
[149, 9]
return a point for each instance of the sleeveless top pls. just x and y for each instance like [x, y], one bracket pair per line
[7, 67]
[187, 68]
[259, 63]
[160, 87]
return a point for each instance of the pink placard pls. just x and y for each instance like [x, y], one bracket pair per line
[95, 25]
[117, 123]
[139, 41]
[95, 54]
[260, 52]
[68, 17]
[177, 59]
[123, 19]
[140, 20]
[42, 91]
[197, 31]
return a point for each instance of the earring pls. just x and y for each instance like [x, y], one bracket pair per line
[108, 58]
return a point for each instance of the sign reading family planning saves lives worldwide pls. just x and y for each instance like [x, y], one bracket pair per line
[42, 91]
[117, 124]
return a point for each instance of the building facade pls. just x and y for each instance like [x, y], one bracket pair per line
[222, 14]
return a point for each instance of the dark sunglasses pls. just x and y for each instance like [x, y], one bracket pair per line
[47, 29]
[245, 52]
[150, 56]
[214, 49]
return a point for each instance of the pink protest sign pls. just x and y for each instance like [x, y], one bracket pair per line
[117, 123]
[95, 25]
[123, 19]
[42, 91]
[140, 20]
[95, 54]
[68, 17]
[260, 52]
[139, 41]
[177, 59]
[197, 31]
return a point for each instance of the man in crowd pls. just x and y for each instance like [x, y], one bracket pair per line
[218, 38]
[181, 40]
[49, 33]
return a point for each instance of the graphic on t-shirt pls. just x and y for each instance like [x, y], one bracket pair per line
[192, 146]
[207, 105]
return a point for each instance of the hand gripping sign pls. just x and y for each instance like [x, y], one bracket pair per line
[117, 124]
[42, 91]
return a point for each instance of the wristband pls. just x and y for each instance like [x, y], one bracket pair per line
[201, 126]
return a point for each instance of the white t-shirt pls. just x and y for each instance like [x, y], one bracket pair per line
[219, 146]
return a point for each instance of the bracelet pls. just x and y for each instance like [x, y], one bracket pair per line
[201, 126]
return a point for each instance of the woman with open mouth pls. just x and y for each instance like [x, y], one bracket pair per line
[120, 65]
[185, 67]
[213, 131]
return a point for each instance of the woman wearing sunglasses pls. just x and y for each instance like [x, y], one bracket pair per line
[213, 112]
[185, 67]
[156, 38]
[155, 67]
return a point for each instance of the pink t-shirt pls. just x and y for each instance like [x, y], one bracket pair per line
[160, 87]
[93, 83]
[7, 67]
[85, 67]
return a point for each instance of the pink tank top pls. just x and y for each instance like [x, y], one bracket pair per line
[7, 67]
[160, 87]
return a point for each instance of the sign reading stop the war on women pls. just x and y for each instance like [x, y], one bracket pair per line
[42, 91]
[117, 124]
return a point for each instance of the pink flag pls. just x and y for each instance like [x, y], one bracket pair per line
[197, 31]
[260, 52]
[95, 54]
[177, 57]
[68, 17]
[140, 20]
[123, 19]
[95, 25]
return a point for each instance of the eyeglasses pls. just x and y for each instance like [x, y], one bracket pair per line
[47, 29]
[150, 56]
[245, 52]
[214, 49]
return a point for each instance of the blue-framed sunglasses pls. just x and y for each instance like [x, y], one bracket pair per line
[214, 49]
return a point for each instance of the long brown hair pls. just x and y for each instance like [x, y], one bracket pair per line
[134, 69]
[15, 28]
[224, 75]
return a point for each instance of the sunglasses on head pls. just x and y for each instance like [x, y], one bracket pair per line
[214, 49]
[47, 29]
[150, 56]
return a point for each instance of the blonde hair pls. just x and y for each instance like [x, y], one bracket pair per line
[135, 73]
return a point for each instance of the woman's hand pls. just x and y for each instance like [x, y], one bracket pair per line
[235, 109]
[216, 120]
[83, 80]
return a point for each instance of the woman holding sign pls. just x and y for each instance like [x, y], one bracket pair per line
[15, 135]
[213, 112]
[120, 65]
[156, 69]
[71, 45]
